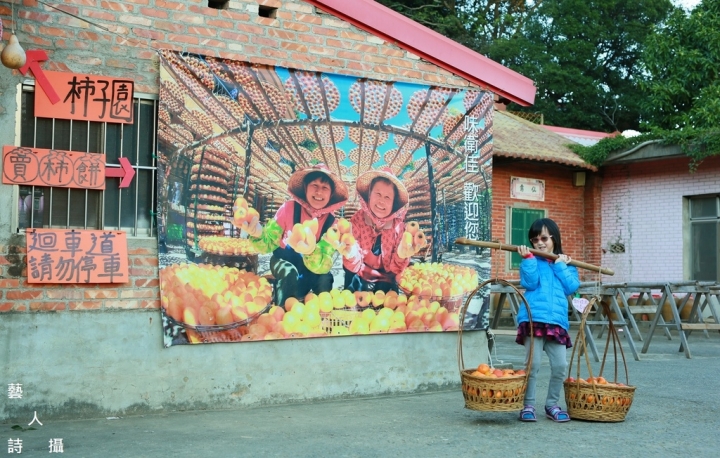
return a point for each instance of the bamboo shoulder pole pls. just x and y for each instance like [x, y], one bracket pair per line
[514, 248]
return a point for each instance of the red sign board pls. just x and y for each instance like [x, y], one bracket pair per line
[45, 167]
[87, 98]
[76, 256]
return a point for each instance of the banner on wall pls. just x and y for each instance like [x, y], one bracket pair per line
[299, 204]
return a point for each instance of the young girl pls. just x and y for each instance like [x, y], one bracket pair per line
[547, 285]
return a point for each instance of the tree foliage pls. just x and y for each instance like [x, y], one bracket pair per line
[682, 59]
[582, 54]
[584, 57]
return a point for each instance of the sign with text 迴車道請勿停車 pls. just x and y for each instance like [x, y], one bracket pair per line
[87, 98]
[76, 256]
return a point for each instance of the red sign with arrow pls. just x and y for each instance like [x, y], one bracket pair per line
[34, 57]
[125, 172]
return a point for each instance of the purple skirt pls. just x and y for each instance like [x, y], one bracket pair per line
[548, 331]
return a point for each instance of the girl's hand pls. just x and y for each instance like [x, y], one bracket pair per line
[563, 258]
[523, 251]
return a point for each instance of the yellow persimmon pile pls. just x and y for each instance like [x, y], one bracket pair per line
[227, 246]
[438, 279]
[212, 295]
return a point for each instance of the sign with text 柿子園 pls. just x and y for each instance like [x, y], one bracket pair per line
[56, 168]
[87, 98]
[76, 256]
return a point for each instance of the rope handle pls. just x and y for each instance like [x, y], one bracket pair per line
[581, 346]
[463, 311]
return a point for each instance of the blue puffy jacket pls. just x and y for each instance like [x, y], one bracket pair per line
[547, 286]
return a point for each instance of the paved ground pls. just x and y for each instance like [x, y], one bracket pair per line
[676, 412]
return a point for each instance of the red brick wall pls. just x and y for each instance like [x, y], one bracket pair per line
[575, 209]
[299, 37]
[17, 295]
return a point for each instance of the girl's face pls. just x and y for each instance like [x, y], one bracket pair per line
[382, 196]
[318, 194]
[543, 241]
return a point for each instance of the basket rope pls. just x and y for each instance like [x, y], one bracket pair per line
[621, 397]
[478, 392]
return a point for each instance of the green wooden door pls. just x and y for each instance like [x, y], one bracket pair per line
[521, 219]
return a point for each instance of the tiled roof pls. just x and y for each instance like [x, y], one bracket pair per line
[584, 137]
[517, 138]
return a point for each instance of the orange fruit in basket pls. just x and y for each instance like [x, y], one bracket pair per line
[290, 303]
[258, 330]
[266, 320]
[520, 372]
[206, 316]
[279, 327]
[175, 310]
[348, 298]
[434, 326]
[276, 312]
[378, 298]
[484, 368]
[224, 315]
[590, 399]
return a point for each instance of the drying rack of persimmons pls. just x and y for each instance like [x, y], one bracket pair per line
[501, 390]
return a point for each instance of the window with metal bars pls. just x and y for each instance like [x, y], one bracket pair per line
[705, 238]
[129, 209]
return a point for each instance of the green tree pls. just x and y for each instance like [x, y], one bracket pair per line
[473, 23]
[682, 59]
[442, 16]
[584, 58]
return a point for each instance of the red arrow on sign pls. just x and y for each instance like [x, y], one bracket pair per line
[126, 172]
[34, 57]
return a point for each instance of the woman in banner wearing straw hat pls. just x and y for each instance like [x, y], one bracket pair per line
[379, 228]
[302, 258]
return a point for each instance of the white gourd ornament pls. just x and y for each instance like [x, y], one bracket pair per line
[13, 56]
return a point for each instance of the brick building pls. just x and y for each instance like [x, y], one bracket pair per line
[103, 343]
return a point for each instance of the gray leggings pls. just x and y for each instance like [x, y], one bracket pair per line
[557, 354]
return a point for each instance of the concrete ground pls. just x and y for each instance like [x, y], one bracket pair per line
[676, 412]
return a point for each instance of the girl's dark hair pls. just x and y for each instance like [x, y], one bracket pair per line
[312, 176]
[396, 198]
[552, 228]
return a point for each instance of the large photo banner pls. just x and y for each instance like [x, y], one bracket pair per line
[295, 204]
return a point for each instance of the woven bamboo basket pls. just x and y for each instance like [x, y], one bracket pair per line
[598, 401]
[451, 303]
[504, 394]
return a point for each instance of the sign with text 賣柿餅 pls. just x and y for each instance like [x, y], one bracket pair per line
[76, 256]
[87, 98]
[56, 168]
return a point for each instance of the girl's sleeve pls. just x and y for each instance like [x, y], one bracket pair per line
[568, 276]
[320, 261]
[529, 277]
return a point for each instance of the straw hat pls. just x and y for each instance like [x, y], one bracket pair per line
[296, 185]
[364, 180]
